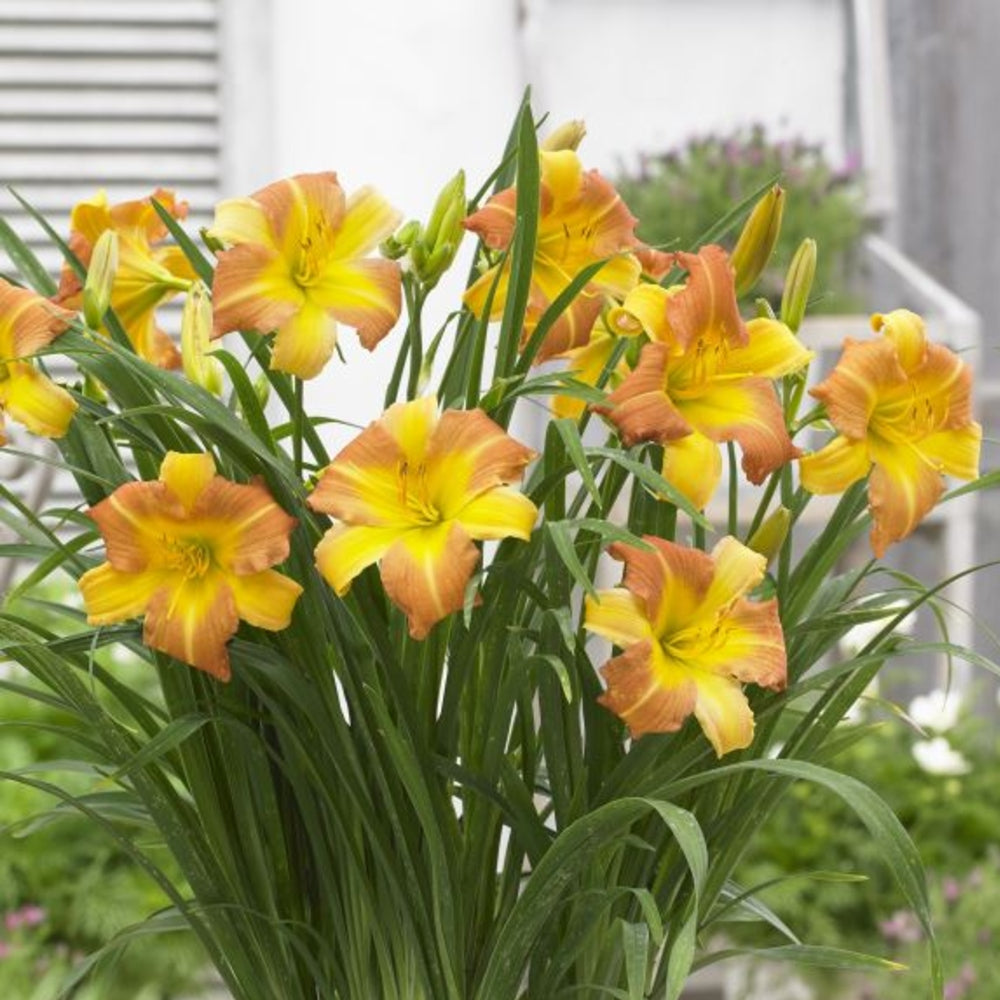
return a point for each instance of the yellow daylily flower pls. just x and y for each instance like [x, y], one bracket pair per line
[191, 551]
[690, 639]
[903, 407]
[582, 220]
[298, 264]
[413, 491]
[705, 377]
[28, 323]
[147, 275]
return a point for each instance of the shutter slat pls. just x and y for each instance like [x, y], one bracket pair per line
[138, 12]
[81, 41]
[102, 103]
[123, 165]
[95, 134]
[54, 200]
[169, 73]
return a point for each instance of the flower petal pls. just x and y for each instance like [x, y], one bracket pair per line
[707, 306]
[304, 208]
[771, 350]
[362, 484]
[494, 222]
[28, 322]
[111, 596]
[425, 573]
[187, 475]
[747, 411]
[671, 580]
[364, 294]
[192, 620]
[133, 522]
[617, 615]
[646, 691]
[647, 303]
[753, 648]
[852, 390]
[693, 465]
[737, 570]
[252, 291]
[249, 532]
[954, 452]
[907, 333]
[722, 710]
[501, 512]
[640, 407]
[345, 551]
[368, 220]
[834, 467]
[265, 599]
[562, 174]
[32, 399]
[411, 426]
[570, 330]
[242, 220]
[902, 490]
[305, 341]
[586, 365]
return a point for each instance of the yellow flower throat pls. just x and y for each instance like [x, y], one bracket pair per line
[190, 557]
[414, 493]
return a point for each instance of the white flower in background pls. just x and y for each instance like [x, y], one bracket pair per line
[935, 711]
[938, 756]
[855, 639]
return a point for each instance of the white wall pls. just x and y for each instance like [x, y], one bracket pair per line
[400, 93]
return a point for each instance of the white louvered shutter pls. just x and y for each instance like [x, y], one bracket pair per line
[119, 94]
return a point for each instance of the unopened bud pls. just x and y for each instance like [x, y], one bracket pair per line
[757, 241]
[100, 278]
[569, 135]
[196, 340]
[440, 240]
[798, 285]
[770, 536]
[262, 389]
[397, 245]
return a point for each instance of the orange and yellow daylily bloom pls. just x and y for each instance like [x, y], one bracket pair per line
[705, 377]
[148, 273]
[414, 491]
[903, 409]
[192, 552]
[582, 219]
[298, 264]
[29, 323]
[689, 638]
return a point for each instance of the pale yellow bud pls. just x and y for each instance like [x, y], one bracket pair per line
[798, 285]
[100, 278]
[196, 340]
[770, 536]
[569, 135]
[757, 241]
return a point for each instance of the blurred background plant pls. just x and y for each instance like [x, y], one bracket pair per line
[66, 887]
[936, 767]
[680, 194]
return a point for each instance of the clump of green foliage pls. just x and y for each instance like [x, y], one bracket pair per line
[66, 886]
[678, 195]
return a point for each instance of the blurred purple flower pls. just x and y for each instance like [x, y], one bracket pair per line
[902, 926]
[951, 890]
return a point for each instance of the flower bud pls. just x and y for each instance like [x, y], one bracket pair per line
[396, 245]
[756, 243]
[770, 536]
[196, 340]
[433, 252]
[100, 278]
[569, 135]
[798, 285]
[262, 389]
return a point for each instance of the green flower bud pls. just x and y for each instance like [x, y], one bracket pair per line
[569, 135]
[798, 285]
[433, 253]
[100, 278]
[196, 340]
[770, 536]
[397, 245]
[262, 389]
[756, 243]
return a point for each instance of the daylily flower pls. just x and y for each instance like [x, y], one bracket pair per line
[705, 378]
[298, 265]
[903, 407]
[28, 323]
[147, 274]
[690, 639]
[582, 220]
[191, 551]
[414, 490]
